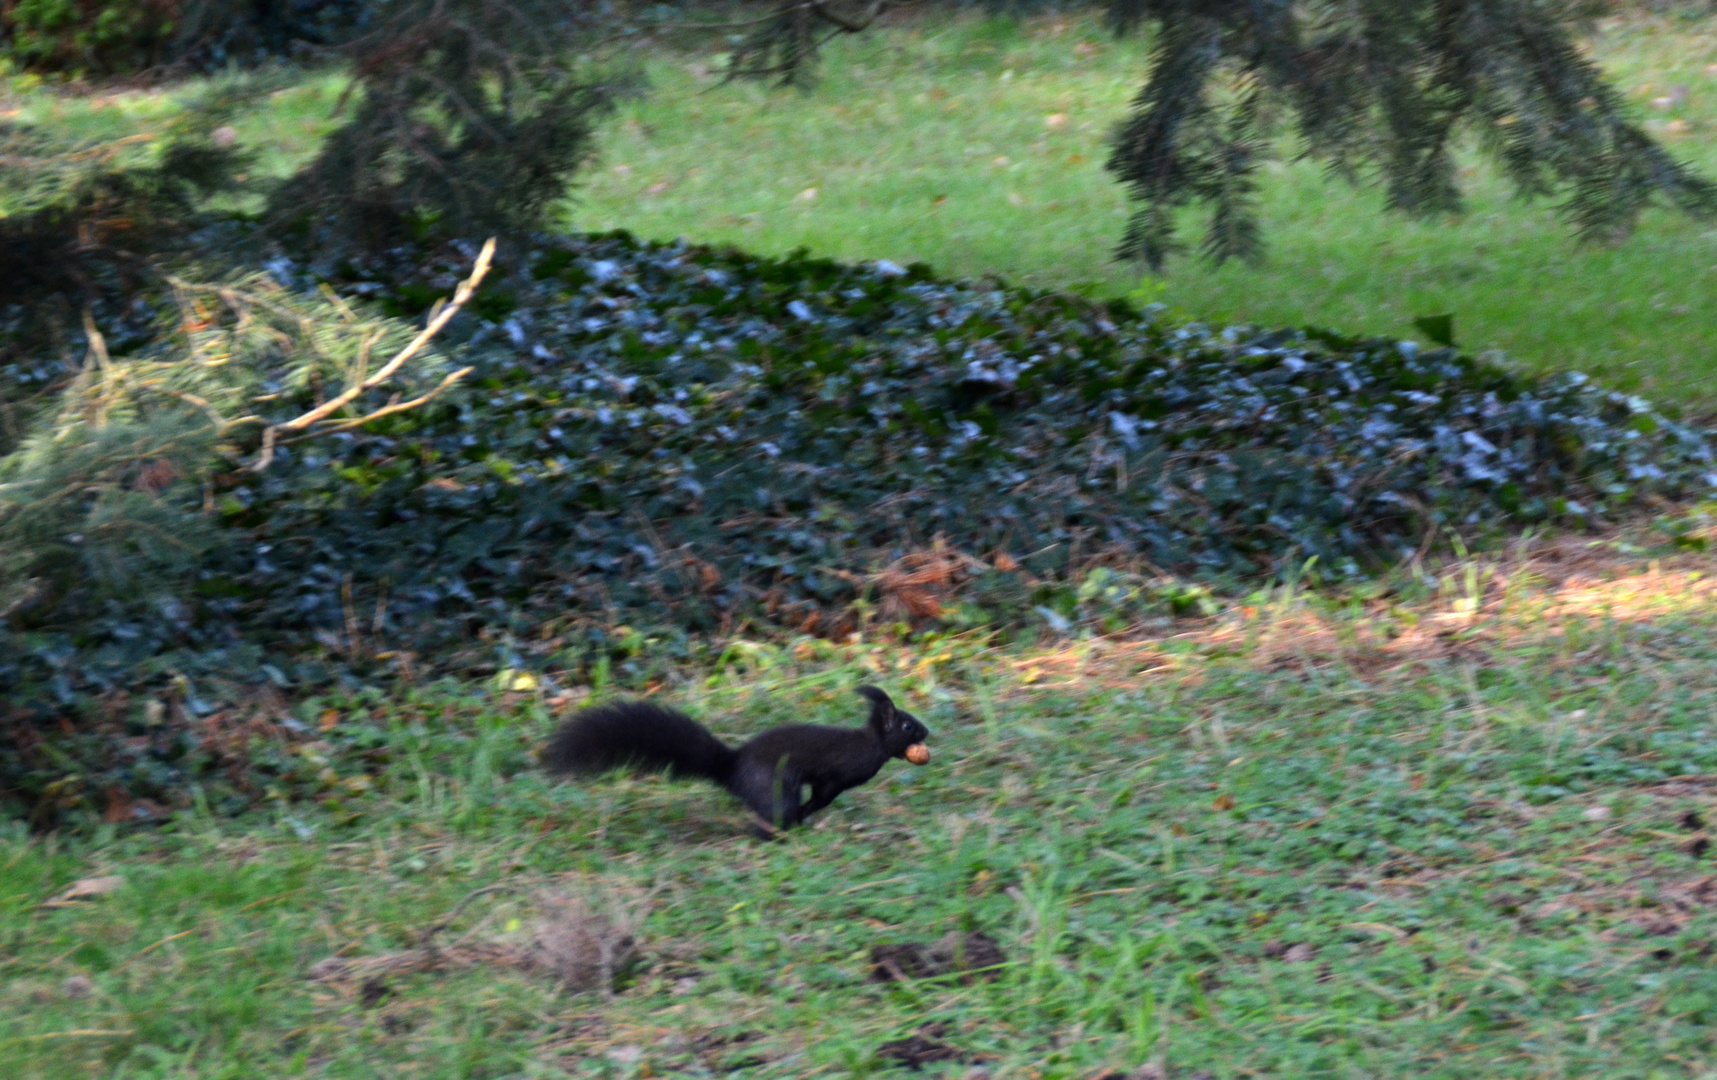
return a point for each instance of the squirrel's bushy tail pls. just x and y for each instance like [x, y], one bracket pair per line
[639, 734]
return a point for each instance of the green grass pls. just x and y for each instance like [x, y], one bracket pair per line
[934, 141]
[1473, 826]
[282, 131]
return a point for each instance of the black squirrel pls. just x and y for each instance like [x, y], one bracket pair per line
[768, 773]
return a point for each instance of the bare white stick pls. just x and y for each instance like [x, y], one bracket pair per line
[438, 319]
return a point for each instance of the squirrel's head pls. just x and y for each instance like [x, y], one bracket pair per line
[902, 733]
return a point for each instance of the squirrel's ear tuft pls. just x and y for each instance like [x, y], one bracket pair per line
[881, 705]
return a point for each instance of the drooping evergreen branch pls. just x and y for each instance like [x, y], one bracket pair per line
[1390, 86]
[471, 117]
[1152, 150]
[786, 45]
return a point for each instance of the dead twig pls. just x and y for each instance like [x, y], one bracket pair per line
[385, 410]
[429, 934]
[438, 318]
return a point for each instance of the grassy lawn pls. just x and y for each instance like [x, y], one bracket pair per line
[978, 146]
[1457, 832]
[1459, 837]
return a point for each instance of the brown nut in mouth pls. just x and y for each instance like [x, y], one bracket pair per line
[918, 754]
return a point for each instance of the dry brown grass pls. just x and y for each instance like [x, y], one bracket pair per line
[580, 938]
[922, 584]
[1536, 592]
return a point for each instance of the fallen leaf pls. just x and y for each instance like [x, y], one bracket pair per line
[157, 476]
[1377, 928]
[87, 888]
[1224, 801]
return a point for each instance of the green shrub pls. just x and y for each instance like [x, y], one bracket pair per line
[95, 36]
[82, 225]
[115, 575]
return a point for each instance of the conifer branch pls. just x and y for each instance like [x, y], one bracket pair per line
[1394, 86]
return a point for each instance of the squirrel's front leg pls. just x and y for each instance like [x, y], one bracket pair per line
[821, 796]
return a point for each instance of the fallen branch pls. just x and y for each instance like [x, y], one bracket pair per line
[438, 318]
[387, 410]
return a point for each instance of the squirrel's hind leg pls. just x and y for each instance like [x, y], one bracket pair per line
[772, 796]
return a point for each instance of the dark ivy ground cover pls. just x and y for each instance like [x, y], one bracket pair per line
[686, 437]
[794, 423]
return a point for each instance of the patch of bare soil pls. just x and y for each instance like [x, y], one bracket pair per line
[923, 1047]
[971, 955]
